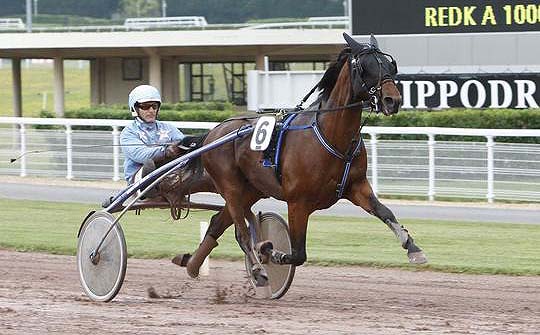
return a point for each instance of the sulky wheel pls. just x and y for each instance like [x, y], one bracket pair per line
[274, 228]
[102, 275]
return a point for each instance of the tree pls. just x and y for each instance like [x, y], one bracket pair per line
[11, 7]
[235, 11]
[94, 8]
[215, 11]
[140, 8]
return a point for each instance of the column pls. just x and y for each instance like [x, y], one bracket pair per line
[187, 82]
[59, 86]
[17, 87]
[170, 89]
[260, 61]
[94, 83]
[154, 71]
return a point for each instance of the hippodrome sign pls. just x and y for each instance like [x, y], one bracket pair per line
[470, 90]
[435, 16]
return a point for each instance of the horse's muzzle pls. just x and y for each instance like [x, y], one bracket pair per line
[391, 104]
[390, 98]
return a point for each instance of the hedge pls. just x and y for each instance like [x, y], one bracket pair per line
[462, 118]
[451, 118]
[185, 111]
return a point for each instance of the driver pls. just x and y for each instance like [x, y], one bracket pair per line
[146, 140]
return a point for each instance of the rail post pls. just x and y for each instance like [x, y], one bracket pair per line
[431, 167]
[490, 169]
[116, 153]
[22, 133]
[374, 176]
[69, 152]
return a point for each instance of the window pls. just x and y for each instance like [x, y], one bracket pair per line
[131, 68]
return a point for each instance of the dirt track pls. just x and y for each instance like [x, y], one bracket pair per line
[40, 293]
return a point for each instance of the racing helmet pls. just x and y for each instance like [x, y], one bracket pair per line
[142, 93]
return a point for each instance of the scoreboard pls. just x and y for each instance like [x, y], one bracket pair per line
[388, 17]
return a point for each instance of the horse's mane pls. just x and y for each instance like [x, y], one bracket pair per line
[328, 81]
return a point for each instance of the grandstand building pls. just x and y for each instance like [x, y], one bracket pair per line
[438, 68]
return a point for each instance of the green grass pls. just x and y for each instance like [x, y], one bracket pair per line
[451, 246]
[37, 80]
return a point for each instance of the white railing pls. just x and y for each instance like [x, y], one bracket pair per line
[11, 23]
[428, 167]
[342, 19]
[168, 21]
[299, 25]
[97, 153]
[455, 168]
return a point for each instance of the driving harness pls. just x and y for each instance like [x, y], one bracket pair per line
[286, 116]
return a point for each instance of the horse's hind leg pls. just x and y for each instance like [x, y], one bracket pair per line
[240, 210]
[218, 223]
[362, 195]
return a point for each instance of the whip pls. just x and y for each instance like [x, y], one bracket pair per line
[12, 160]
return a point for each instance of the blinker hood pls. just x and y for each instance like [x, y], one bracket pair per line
[358, 48]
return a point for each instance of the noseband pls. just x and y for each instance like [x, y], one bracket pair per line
[375, 92]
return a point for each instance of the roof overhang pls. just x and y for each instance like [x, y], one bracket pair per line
[207, 45]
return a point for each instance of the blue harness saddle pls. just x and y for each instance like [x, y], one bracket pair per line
[272, 154]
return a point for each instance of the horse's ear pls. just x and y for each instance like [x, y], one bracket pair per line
[373, 41]
[355, 46]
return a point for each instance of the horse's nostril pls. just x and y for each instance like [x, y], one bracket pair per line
[388, 101]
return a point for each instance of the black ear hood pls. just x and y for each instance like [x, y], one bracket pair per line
[356, 47]
[373, 41]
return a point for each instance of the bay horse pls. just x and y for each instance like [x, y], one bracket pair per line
[312, 161]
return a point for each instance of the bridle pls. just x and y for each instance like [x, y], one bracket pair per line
[374, 93]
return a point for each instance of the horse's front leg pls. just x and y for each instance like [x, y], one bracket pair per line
[298, 215]
[362, 195]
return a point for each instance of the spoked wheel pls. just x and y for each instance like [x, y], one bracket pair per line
[101, 274]
[274, 228]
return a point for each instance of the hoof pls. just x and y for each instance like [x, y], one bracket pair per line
[262, 286]
[260, 277]
[417, 257]
[264, 251]
[181, 260]
[263, 292]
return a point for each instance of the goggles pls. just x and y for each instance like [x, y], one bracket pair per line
[146, 105]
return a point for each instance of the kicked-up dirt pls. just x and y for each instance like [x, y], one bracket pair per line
[40, 293]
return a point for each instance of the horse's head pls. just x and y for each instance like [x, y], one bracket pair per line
[372, 75]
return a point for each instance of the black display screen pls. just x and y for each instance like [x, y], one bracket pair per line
[440, 91]
[436, 16]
